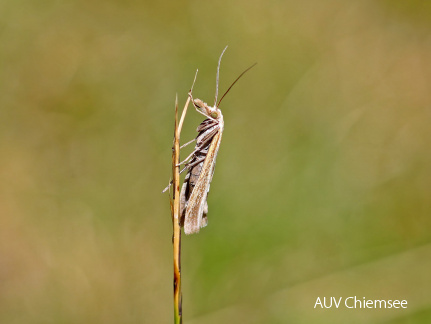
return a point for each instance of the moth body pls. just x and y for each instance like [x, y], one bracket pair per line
[201, 163]
[194, 192]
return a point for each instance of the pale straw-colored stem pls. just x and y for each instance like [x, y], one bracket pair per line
[175, 209]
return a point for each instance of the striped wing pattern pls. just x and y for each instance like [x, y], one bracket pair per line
[197, 201]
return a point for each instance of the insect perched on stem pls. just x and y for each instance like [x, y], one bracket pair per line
[201, 162]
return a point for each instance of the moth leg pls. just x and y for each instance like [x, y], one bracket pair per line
[203, 142]
[190, 94]
[184, 145]
[169, 185]
[187, 158]
[185, 168]
[172, 181]
[192, 164]
[202, 112]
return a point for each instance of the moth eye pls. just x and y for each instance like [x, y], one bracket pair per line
[214, 114]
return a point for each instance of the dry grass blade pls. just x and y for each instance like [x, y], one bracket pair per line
[175, 209]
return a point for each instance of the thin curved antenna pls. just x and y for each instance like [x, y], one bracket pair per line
[218, 70]
[196, 74]
[234, 83]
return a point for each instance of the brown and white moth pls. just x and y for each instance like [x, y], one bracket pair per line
[200, 163]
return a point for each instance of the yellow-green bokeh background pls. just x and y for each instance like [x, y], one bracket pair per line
[323, 179]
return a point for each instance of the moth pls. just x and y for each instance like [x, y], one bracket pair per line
[201, 162]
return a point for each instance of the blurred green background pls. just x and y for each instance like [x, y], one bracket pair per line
[323, 180]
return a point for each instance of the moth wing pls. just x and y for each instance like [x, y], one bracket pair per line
[183, 201]
[195, 210]
[204, 216]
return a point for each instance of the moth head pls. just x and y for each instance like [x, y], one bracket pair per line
[209, 111]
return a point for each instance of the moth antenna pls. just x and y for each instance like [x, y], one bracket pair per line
[218, 71]
[233, 82]
[196, 74]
